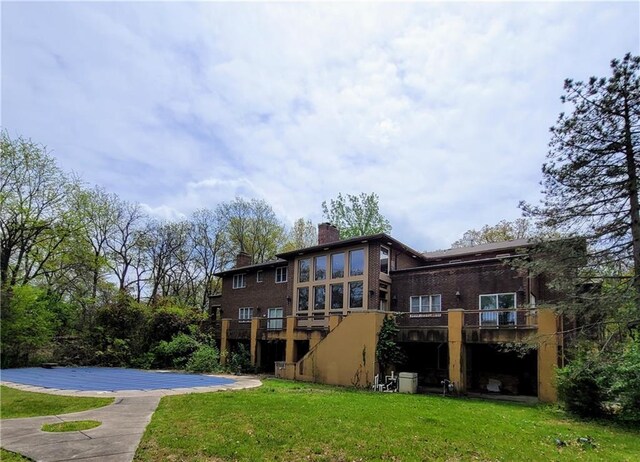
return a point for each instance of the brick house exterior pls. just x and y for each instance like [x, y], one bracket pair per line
[459, 306]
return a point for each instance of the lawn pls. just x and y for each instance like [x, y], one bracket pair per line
[17, 403]
[290, 421]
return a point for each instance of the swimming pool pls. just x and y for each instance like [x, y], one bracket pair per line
[108, 378]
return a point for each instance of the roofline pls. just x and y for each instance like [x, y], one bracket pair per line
[446, 264]
[479, 249]
[347, 242]
[240, 269]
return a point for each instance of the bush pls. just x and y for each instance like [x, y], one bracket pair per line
[177, 352]
[625, 387]
[581, 387]
[167, 321]
[28, 324]
[205, 359]
[239, 360]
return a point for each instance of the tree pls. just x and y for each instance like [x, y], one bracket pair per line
[356, 215]
[519, 228]
[591, 174]
[302, 234]
[251, 226]
[34, 209]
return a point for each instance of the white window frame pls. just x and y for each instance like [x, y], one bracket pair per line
[239, 281]
[275, 322]
[425, 304]
[242, 314]
[260, 276]
[279, 272]
[388, 259]
[492, 317]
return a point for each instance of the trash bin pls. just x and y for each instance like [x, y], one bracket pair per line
[407, 382]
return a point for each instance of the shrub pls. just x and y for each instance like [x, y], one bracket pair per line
[167, 321]
[239, 360]
[581, 387]
[625, 387]
[177, 352]
[205, 359]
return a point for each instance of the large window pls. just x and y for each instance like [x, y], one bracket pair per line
[384, 260]
[337, 265]
[337, 296]
[245, 314]
[500, 309]
[356, 262]
[238, 281]
[319, 297]
[303, 269]
[320, 268]
[426, 303]
[281, 274]
[355, 294]
[303, 299]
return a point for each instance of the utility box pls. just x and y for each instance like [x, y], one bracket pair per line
[407, 382]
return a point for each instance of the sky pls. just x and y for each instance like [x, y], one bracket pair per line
[442, 109]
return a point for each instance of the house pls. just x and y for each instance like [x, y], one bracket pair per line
[465, 315]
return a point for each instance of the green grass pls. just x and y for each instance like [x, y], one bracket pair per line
[18, 403]
[72, 426]
[290, 421]
[8, 456]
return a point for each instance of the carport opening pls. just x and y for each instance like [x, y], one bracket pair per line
[429, 360]
[270, 352]
[494, 369]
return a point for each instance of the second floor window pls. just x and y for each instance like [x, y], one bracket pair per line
[259, 276]
[303, 299]
[238, 281]
[356, 262]
[303, 270]
[245, 314]
[281, 274]
[426, 303]
[319, 298]
[384, 260]
[320, 268]
[355, 294]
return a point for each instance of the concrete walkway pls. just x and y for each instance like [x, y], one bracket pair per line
[116, 440]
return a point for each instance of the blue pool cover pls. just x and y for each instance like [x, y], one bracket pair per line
[107, 378]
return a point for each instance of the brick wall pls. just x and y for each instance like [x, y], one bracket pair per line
[470, 280]
[263, 295]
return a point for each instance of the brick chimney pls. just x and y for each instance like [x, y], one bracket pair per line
[327, 233]
[243, 259]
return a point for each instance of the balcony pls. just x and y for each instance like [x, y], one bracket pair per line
[501, 319]
[239, 329]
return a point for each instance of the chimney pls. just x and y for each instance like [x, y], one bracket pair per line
[327, 233]
[243, 259]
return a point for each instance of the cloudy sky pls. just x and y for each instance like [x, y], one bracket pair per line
[442, 109]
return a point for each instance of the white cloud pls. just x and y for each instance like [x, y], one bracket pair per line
[442, 109]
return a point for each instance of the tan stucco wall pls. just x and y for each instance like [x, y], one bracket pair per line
[347, 355]
[547, 355]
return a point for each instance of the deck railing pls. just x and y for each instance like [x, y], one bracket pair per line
[505, 318]
[272, 324]
[426, 319]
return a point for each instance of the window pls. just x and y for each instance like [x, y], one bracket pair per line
[337, 296]
[245, 314]
[500, 307]
[356, 262]
[274, 318]
[318, 298]
[238, 281]
[426, 303]
[384, 260]
[281, 274]
[337, 265]
[303, 270]
[320, 268]
[303, 299]
[259, 276]
[355, 294]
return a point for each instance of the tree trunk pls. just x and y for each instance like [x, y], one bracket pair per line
[634, 209]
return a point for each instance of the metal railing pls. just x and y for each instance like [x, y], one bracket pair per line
[425, 319]
[272, 324]
[239, 329]
[505, 318]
